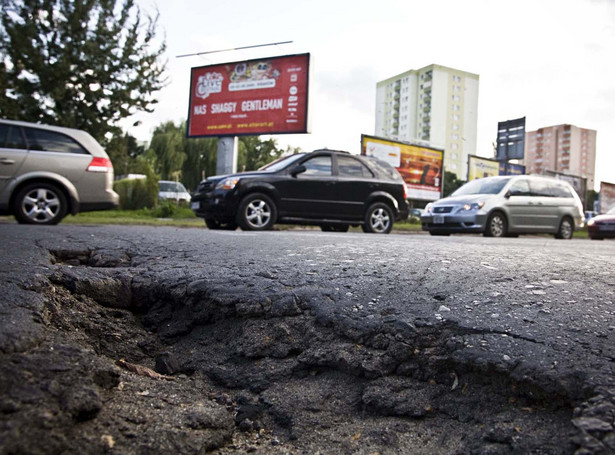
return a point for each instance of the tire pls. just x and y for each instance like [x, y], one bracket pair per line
[40, 203]
[334, 227]
[596, 238]
[378, 219]
[439, 233]
[497, 226]
[214, 224]
[565, 230]
[257, 212]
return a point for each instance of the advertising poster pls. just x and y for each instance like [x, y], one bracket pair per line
[420, 166]
[511, 169]
[578, 183]
[482, 167]
[262, 96]
[607, 196]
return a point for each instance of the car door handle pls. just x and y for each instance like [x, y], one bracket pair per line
[7, 161]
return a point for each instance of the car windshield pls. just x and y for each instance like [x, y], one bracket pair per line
[281, 163]
[611, 212]
[173, 187]
[482, 186]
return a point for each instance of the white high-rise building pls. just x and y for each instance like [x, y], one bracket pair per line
[436, 105]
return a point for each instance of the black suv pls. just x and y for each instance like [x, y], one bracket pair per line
[326, 188]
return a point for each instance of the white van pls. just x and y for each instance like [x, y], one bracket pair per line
[507, 206]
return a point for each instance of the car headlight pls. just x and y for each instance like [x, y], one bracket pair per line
[228, 184]
[591, 222]
[473, 206]
[428, 208]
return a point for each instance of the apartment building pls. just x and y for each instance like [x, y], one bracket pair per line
[435, 104]
[562, 148]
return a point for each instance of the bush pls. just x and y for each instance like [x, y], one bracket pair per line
[136, 194]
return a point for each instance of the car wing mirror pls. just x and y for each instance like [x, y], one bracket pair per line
[508, 194]
[297, 170]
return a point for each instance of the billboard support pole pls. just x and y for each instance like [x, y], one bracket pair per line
[226, 162]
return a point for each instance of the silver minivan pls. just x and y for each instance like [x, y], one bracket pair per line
[47, 172]
[507, 206]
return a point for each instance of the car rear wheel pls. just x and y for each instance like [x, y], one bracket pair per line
[378, 219]
[214, 224]
[257, 212]
[40, 203]
[566, 229]
[496, 225]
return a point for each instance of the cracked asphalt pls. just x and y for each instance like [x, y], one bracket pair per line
[459, 344]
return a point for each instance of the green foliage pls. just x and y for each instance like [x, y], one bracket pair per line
[451, 183]
[254, 153]
[201, 157]
[123, 151]
[192, 159]
[134, 194]
[84, 64]
[168, 146]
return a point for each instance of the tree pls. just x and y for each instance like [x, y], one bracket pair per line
[254, 153]
[123, 151]
[168, 146]
[451, 183]
[84, 64]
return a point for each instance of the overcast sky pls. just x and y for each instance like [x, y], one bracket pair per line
[550, 61]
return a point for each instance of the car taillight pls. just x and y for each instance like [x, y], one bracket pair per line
[405, 191]
[100, 165]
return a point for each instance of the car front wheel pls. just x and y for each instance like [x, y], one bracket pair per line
[40, 203]
[496, 225]
[378, 219]
[257, 212]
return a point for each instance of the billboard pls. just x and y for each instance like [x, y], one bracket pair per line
[261, 96]
[511, 140]
[607, 196]
[511, 169]
[420, 166]
[482, 167]
[578, 183]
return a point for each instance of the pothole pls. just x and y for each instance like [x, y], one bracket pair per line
[139, 363]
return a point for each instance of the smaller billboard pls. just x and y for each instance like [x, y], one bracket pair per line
[511, 169]
[577, 182]
[511, 140]
[261, 96]
[607, 196]
[420, 166]
[482, 167]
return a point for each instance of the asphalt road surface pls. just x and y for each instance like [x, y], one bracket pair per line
[133, 339]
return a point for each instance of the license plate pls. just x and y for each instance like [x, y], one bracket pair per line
[438, 219]
[195, 205]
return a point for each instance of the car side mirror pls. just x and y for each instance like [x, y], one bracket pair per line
[508, 194]
[297, 170]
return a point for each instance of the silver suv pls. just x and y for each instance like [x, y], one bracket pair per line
[47, 172]
[507, 206]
